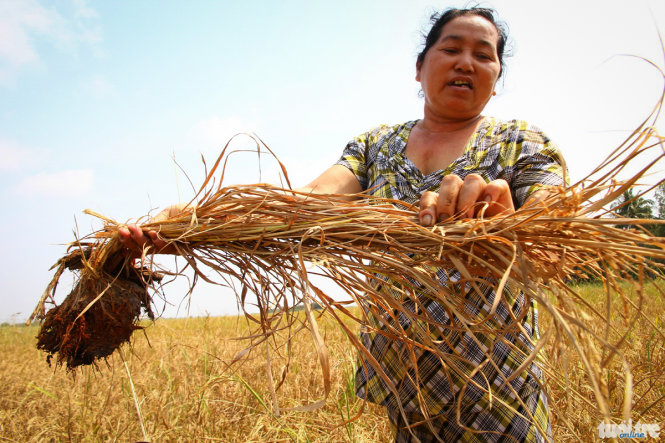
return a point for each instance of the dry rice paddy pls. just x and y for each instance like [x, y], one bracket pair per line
[174, 384]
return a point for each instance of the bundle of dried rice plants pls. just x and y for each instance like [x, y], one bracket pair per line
[270, 241]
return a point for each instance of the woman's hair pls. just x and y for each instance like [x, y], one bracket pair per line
[439, 20]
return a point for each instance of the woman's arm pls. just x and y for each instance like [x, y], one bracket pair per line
[337, 179]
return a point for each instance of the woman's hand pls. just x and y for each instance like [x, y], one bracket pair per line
[465, 198]
[135, 240]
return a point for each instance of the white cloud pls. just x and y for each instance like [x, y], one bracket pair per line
[11, 156]
[99, 87]
[14, 156]
[23, 22]
[19, 19]
[86, 27]
[82, 9]
[68, 183]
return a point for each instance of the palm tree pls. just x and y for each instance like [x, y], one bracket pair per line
[631, 206]
[659, 230]
[660, 200]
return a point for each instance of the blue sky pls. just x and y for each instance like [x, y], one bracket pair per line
[97, 98]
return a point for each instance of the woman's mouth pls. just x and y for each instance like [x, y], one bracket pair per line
[461, 84]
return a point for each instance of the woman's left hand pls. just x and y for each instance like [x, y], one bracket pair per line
[135, 240]
[465, 198]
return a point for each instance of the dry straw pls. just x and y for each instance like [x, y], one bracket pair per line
[268, 242]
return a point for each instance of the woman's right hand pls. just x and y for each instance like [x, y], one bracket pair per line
[465, 198]
[135, 240]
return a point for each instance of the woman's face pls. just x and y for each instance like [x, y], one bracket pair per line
[460, 70]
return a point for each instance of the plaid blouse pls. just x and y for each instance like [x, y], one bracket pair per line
[523, 156]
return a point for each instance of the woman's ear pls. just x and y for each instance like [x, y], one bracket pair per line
[418, 65]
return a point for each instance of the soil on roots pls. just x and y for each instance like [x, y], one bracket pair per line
[96, 317]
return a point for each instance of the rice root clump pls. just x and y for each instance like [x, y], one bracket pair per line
[97, 316]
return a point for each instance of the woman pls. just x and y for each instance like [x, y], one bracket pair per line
[452, 161]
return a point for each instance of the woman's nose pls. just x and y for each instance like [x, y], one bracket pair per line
[464, 62]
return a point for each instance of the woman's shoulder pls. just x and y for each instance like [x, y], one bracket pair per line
[383, 130]
[512, 125]
[514, 130]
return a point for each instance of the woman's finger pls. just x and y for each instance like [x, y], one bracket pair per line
[133, 239]
[473, 188]
[447, 202]
[497, 194]
[161, 246]
[125, 236]
[428, 208]
[138, 235]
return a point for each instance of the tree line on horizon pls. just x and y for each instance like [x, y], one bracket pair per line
[629, 205]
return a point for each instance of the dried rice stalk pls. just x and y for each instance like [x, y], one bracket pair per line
[260, 239]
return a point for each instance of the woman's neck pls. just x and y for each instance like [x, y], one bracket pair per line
[439, 125]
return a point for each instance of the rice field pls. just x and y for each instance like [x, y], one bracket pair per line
[184, 389]
[175, 384]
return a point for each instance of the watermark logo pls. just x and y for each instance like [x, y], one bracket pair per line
[628, 430]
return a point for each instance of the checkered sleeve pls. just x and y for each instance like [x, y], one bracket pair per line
[537, 164]
[354, 158]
